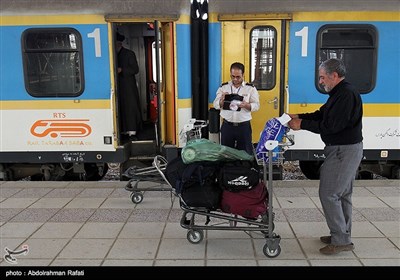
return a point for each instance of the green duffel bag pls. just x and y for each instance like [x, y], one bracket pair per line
[206, 150]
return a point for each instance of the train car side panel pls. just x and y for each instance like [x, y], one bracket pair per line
[214, 58]
[305, 98]
[381, 125]
[80, 123]
[184, 79]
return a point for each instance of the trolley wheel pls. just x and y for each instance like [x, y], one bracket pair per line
[136, 197]
[271, 253]
[195, 236]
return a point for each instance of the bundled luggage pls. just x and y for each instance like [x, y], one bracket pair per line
[222, 183]
[232, 186]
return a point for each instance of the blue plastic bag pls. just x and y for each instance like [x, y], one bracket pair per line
[273, 130]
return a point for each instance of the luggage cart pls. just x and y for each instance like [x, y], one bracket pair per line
[218, 220]
[146, 174]
[154, 173]
[272, 246]
[191, 130]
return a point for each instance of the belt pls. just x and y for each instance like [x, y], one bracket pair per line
[237, 123]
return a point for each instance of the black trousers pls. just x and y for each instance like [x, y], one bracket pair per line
[237, 135]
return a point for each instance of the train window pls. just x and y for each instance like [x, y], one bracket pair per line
[263, 57]
[356, 45]
[52, 62]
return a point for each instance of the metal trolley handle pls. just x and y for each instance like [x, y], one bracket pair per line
[272, 144]
[160, 164]
[273, 240]
[192, 130]
[276, 155]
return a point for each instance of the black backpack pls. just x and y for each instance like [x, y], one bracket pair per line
[239, 175]
[173, 172]
[196, 183]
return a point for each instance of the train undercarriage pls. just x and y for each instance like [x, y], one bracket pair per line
[97, 171]
[53, 171]
[367, 170]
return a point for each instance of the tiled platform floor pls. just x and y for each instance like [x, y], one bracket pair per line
[96, 224]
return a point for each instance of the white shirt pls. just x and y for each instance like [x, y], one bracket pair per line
[250, 95]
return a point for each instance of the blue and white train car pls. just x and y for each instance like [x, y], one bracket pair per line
[59, 113]
[369, 44]
[56, 93]
[282, 52]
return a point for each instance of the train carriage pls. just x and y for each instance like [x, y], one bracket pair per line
[369, 46]
[59, 111]
[55, 93]
[282, 52]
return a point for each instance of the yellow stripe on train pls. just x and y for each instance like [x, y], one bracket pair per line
[370, 110]
[55, 104]
[50, 19]
[346, 16]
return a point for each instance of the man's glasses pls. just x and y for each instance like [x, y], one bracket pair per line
[236, 77]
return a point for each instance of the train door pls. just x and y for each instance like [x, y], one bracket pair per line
[148, 39]
[137, 37]
[167, 98]
[153, 44]
[260, 46]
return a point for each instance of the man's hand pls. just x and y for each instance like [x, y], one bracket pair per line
[295, 123]
[222, 99]
[245, 105]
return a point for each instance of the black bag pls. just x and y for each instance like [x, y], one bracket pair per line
[173, 173]
[239, 175]
[195, 182]
[229, 98]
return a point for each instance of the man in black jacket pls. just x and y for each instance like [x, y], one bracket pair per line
[339, 122]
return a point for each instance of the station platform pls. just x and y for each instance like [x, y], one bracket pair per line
[93, 224]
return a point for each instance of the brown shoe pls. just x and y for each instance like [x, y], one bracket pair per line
[334, 249]
[326, 239]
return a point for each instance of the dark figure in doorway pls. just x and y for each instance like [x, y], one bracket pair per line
[129, 102]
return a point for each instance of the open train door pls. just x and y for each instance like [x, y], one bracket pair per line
[261, 46]
[152, 41]
[165, 65]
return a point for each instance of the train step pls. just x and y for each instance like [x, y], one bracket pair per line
[142, 148]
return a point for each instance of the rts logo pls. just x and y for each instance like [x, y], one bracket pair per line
[63, 128]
